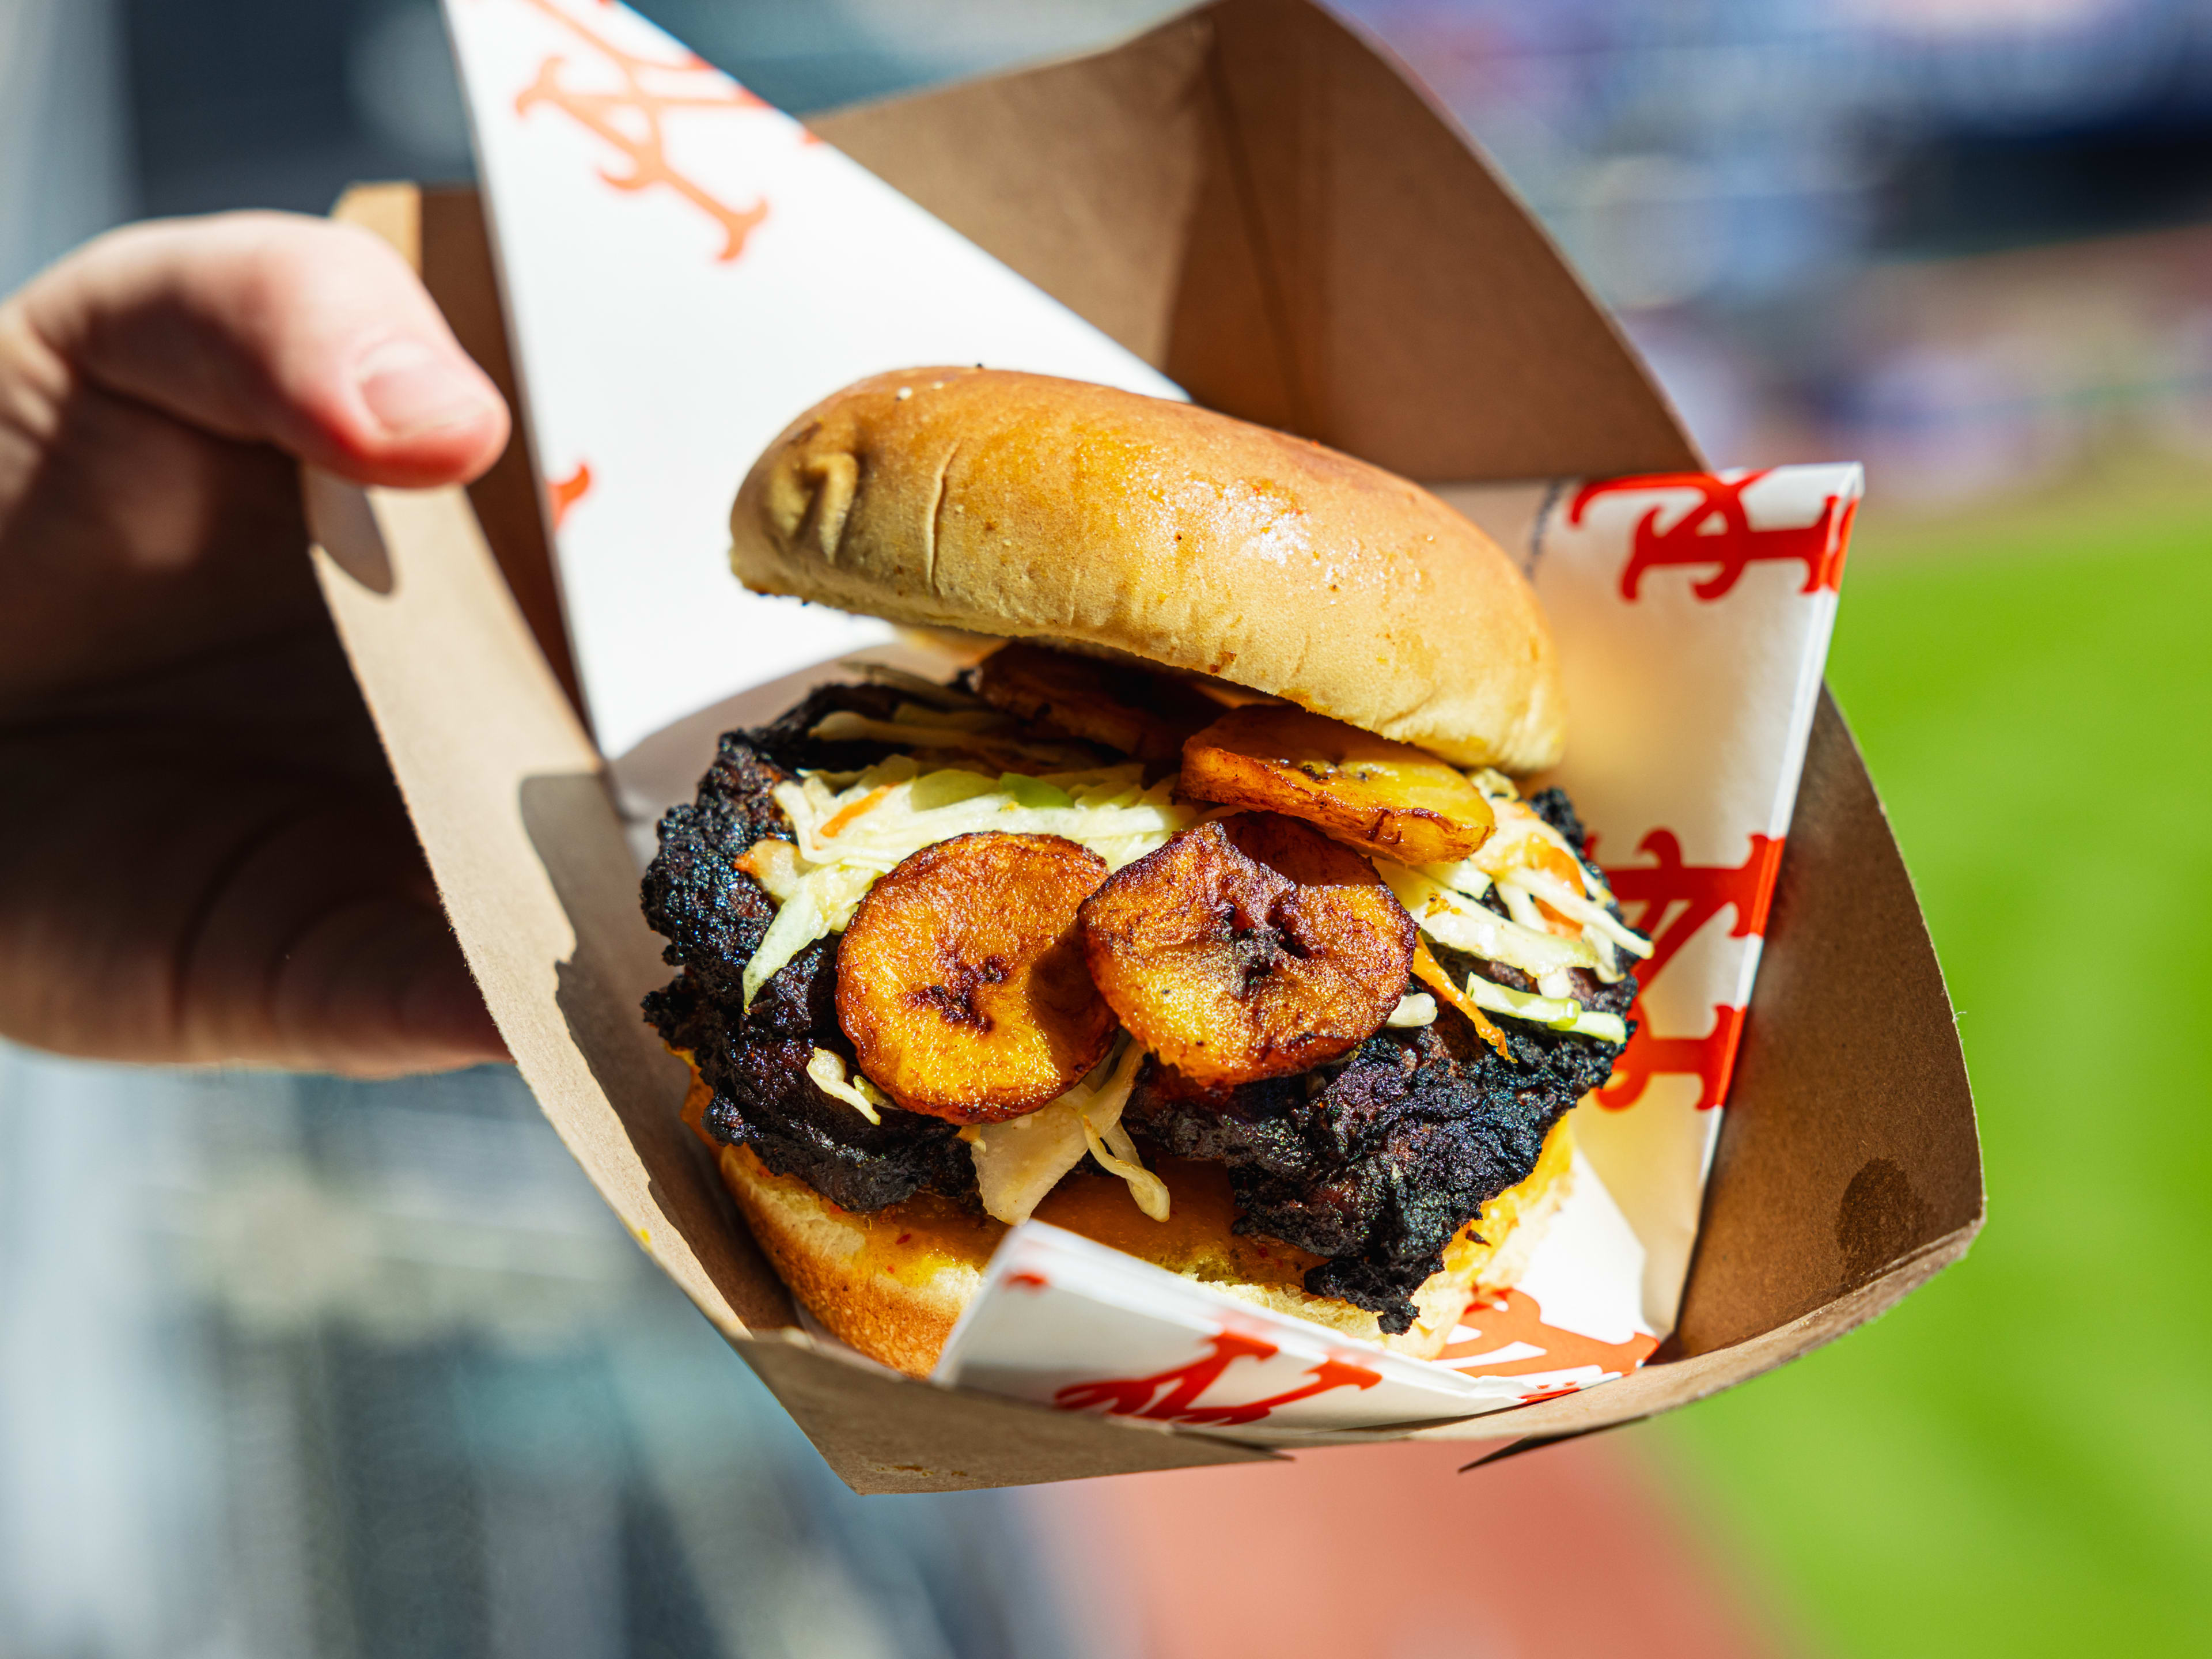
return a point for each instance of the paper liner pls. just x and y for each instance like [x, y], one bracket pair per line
[1693, 615]
[1076, 1325]
[686, 268]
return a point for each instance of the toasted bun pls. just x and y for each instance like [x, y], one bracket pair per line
[1021, 505]
[892, 1284]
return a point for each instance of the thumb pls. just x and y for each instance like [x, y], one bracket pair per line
[276, 328]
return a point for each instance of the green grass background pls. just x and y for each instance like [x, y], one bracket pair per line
[2018, 1460]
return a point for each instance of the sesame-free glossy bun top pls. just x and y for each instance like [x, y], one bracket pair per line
[1024, 506]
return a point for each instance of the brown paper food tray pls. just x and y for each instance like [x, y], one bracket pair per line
[1255, 200]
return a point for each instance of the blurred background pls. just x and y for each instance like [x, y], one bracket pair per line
[292, 1366]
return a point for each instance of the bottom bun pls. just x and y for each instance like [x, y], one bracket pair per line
[892, 1283]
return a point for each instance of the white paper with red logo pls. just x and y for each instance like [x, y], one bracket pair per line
[1693, 615]
[686, 269]
[1082, 1328]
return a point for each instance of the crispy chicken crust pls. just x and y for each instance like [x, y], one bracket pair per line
[1374, 1160]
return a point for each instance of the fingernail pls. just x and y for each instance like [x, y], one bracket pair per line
[412, 388]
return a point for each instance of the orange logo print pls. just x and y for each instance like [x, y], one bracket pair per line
[1703, 890]
[633, 119]
[1711, 1059]
[1507, 1319]
[564, 493]
[1676, 900]
[1180, 1390]
[1716, 531]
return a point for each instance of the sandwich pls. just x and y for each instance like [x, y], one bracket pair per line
[1202, 914]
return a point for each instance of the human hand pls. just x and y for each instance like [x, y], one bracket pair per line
[202, 855]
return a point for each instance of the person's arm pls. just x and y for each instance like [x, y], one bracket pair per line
[203, 856]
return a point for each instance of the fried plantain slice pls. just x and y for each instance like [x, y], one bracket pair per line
[961, 980]
[1143, 714]
[1378, 795]
[1247, 948]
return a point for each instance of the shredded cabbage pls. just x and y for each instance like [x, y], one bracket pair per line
[848, 829]
[1606, 1028]
[1107, 810]
[1465, 877]
[1018, 1162]
[1464, 924]
[1419, 1008]
[1521, 905]
[1561, 1013]
[1519, 859]
[1543, 885]
[1557, 1013]
[1117, 1154]
[775, 865]
[828, 1071]
[1035, 792]
[821, 904]
[1524, 857]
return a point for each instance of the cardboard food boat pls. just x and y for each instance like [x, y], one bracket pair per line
[1252, 206]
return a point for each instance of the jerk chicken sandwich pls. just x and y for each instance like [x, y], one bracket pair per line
[1204, 918]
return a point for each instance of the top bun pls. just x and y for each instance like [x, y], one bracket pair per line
[1022, 504]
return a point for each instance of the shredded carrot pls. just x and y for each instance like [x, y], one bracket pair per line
[1552, 862]
[845, 816]
[749, 860]
[1430, 973]
[1542, 856]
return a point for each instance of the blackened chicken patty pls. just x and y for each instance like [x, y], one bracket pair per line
[1374, 1162]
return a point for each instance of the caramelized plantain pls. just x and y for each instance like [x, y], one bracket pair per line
[1143, 714]
[1247, 948]
[1378, 795]
[961, 980]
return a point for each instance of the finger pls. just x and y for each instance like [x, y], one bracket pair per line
[324, 949]
[265, 327]
[253, 924]
[379, 988]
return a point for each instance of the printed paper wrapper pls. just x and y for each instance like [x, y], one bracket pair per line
[1078, 1325]
[686, 268]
